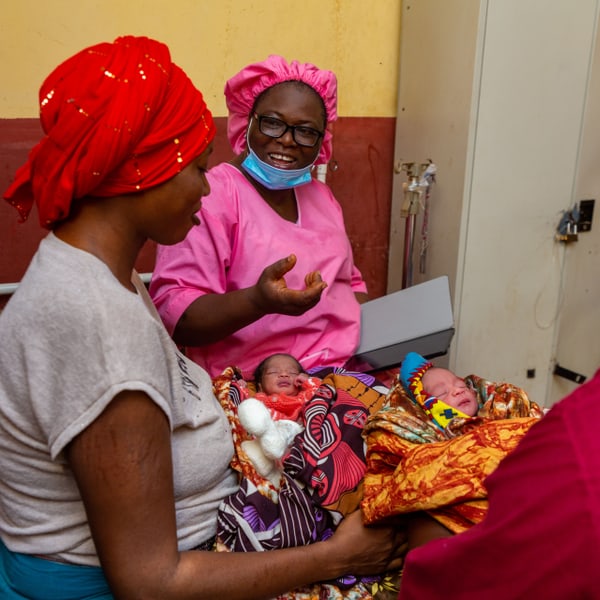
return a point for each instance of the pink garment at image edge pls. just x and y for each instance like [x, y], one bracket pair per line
[541, 536]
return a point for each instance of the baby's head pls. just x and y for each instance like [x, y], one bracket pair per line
[441, 393]
[450, 389]
[279, 373]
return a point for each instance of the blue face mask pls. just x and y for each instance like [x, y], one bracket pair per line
[272, 177]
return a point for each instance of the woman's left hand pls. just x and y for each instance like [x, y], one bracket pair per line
[274, 296]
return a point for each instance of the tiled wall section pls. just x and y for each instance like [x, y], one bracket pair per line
[362, 182]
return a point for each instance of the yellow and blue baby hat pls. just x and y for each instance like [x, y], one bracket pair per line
[413, 367]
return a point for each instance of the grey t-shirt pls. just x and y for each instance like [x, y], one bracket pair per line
[71, 338]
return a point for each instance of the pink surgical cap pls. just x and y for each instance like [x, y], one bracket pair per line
[242, 90]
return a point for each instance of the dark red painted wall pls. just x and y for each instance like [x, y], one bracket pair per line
[363, 154]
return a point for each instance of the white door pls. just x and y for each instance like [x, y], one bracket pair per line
[577, 347]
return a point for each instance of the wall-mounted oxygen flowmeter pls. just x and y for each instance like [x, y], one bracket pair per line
[415, 196]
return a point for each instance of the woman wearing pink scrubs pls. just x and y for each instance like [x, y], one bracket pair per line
[270, 269]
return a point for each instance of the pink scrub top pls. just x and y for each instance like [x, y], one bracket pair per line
[240, 235]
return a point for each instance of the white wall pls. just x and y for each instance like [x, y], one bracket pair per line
[507, 146]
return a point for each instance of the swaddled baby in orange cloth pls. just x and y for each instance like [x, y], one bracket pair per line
[444, 396]
[431, 448]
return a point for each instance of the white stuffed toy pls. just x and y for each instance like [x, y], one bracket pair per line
[272, 438]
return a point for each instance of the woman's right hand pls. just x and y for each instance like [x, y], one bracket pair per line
[273, 295]
[368, 550]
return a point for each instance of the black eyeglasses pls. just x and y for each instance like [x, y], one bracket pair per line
[275, 128]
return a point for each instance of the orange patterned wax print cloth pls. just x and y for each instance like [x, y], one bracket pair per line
[413, 465]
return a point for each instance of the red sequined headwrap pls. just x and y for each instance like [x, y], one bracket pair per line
[119, 117]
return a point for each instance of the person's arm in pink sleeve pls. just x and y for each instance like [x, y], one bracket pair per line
[193, 267]
[190, 288]
[359, 286]
[212, 317]
[170, 294]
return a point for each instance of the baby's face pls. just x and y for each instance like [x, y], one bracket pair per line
[452, 390]
[280, 376]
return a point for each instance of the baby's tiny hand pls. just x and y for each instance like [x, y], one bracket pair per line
[302, 378]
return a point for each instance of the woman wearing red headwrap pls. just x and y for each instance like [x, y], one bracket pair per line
[216, 293]
[114, 452]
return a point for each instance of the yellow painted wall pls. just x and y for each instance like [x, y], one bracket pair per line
[210, 40]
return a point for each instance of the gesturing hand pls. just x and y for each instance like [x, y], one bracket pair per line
[274, 296]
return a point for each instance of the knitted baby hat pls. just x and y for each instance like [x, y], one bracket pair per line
[413, 367]
[412, 370]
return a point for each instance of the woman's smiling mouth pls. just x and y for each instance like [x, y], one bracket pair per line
[281, 159]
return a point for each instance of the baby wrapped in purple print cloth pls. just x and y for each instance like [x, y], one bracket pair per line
[322, 475]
